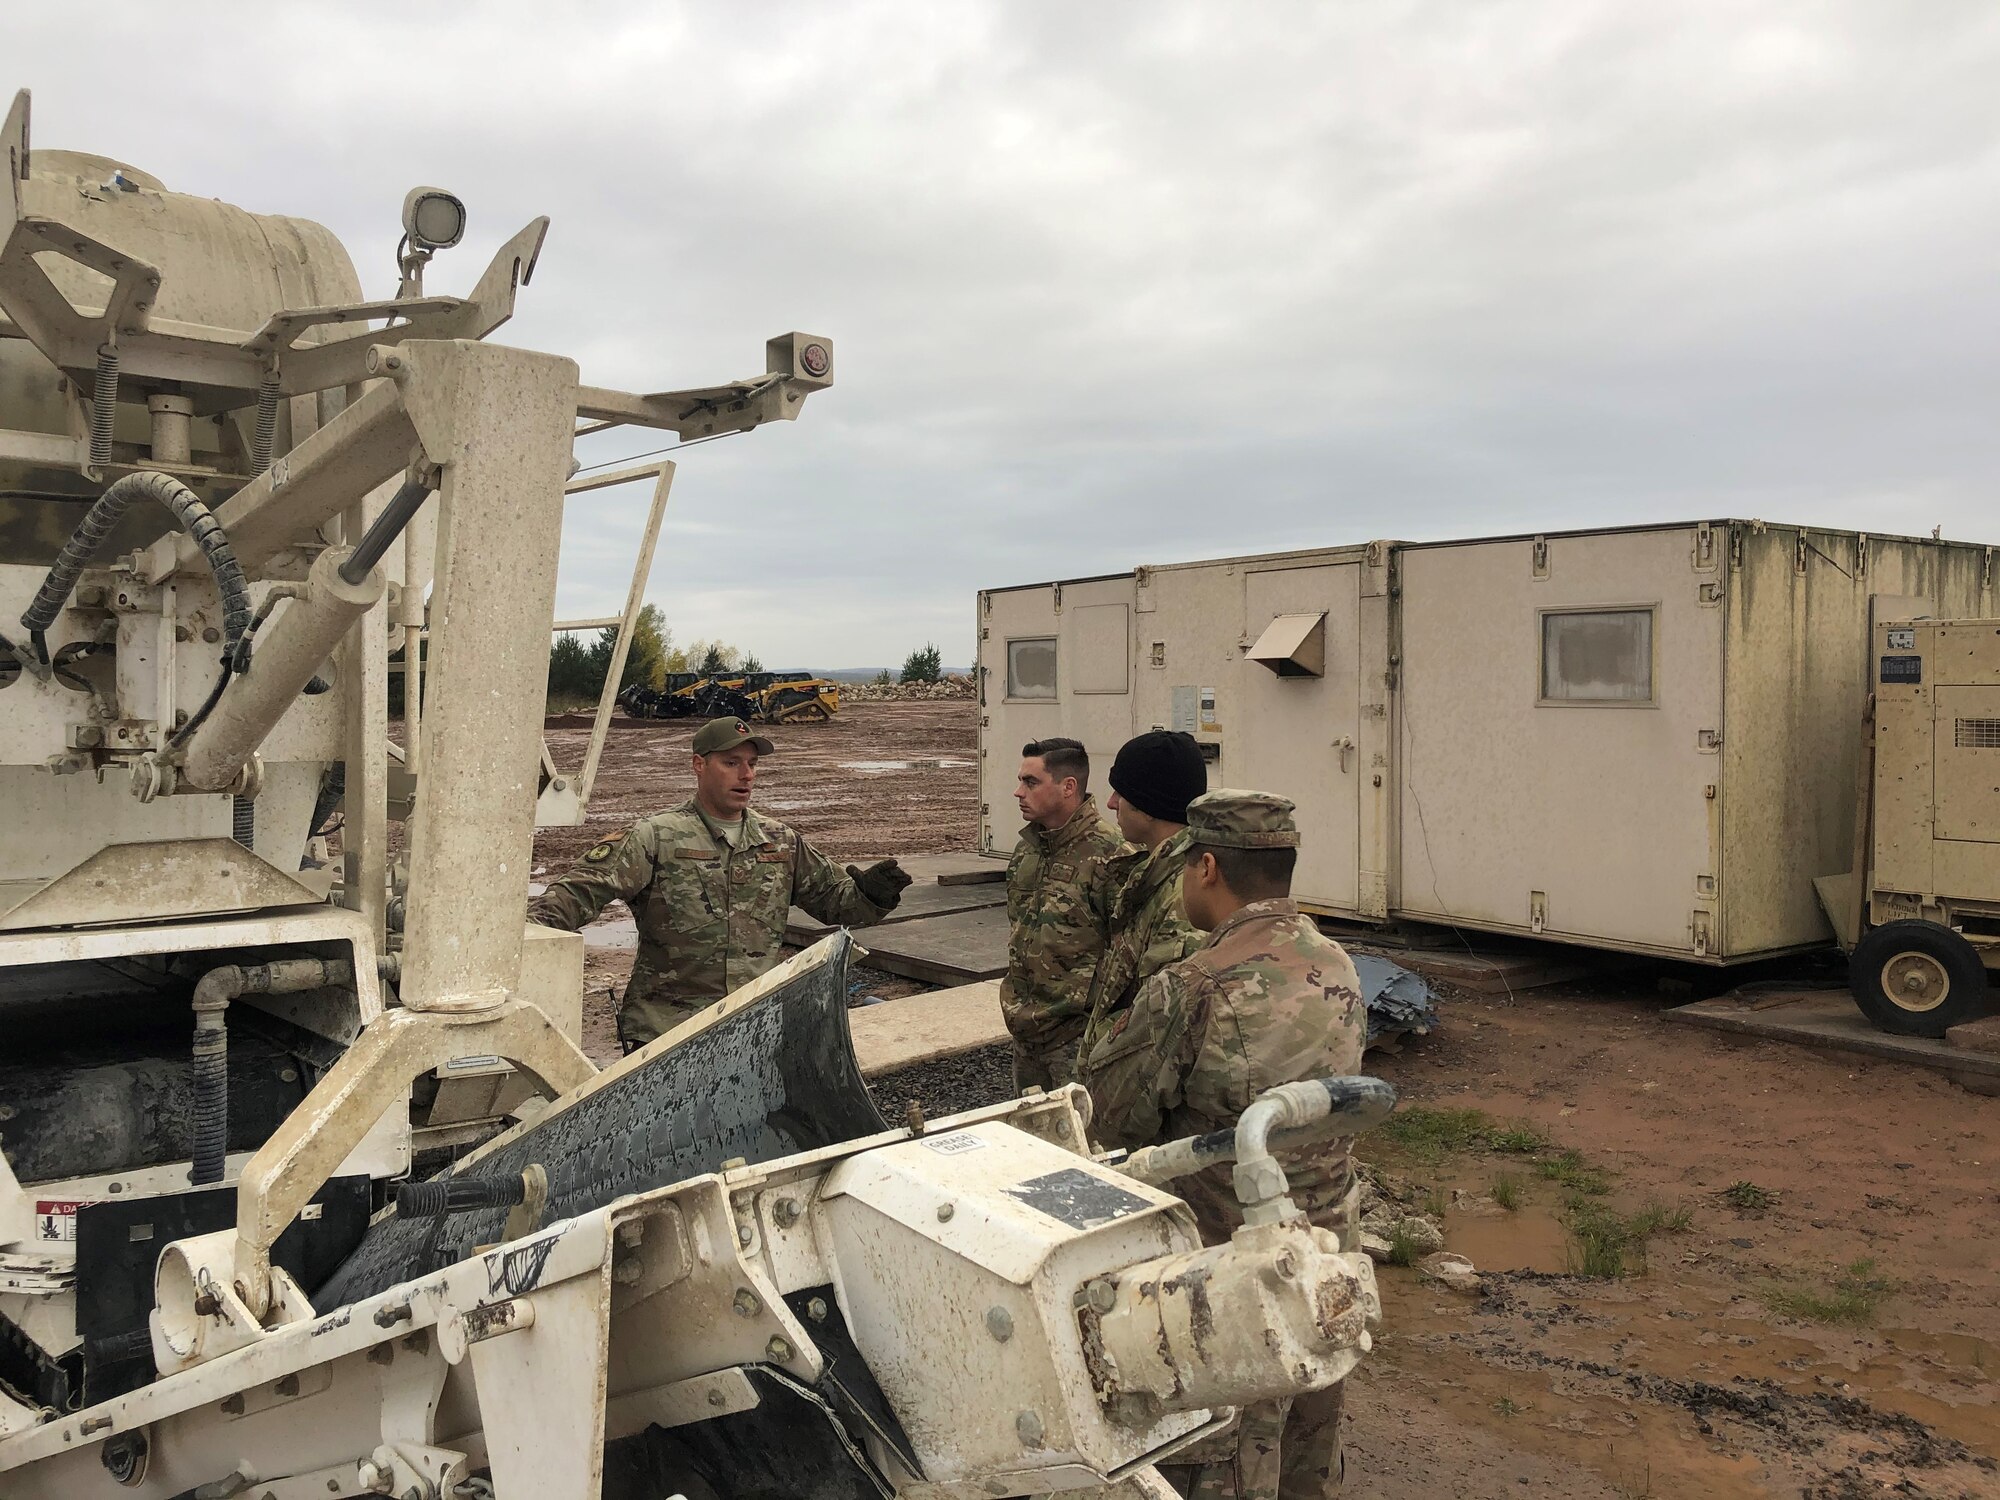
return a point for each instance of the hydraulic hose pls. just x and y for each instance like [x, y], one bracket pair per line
[212, 994]
[1354, 1105]
[97, 526]
[1345, 1103]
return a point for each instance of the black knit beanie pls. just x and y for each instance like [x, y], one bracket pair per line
[1160, 773]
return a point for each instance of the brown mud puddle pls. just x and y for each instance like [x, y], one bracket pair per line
[1677, 1382]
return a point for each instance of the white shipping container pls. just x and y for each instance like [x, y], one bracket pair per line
[1642, 739]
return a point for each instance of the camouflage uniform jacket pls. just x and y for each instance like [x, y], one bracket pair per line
[711, 917]
[1268, 1000]
[1060, 885]
[1149, 930]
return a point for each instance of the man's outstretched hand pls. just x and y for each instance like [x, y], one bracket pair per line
[882, 882]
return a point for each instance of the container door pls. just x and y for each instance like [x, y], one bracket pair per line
[1295, 722]
[1053, 660]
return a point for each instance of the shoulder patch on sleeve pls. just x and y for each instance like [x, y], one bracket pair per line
[601, 852]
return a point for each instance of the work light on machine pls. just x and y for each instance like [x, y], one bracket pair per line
[433, 218]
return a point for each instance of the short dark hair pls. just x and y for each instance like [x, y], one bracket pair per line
[1063, 758]
[1253, 874]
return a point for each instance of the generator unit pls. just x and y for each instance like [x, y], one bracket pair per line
[1923, 926]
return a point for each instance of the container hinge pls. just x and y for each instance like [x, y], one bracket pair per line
[1159, 653]
[1700, 935]
[1538, 910]
[1861, 555]
[1735, 548]
[1710, 594]
[1055, 591]
[1800, 548]
[1541, 556]
[1704, 548]
[1708, 741]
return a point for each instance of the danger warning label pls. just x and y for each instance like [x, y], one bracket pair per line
[55, 1218]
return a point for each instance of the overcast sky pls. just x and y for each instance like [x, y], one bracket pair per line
[1112, 284]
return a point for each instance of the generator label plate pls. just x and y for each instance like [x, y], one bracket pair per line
[55, 1219]
[1902, 669]
[1077, 1198]
[1902, 640]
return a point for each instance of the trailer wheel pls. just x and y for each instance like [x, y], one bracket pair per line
[1917, 978]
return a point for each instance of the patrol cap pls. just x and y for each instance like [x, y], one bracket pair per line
[718, 735]
[1226, 819]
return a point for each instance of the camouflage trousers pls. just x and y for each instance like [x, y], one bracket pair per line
[647, 1011]
[1278, 1450]
[1047, 1065]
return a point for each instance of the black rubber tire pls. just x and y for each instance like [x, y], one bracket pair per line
[1928, 949]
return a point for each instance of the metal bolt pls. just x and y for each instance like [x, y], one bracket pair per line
[1101, 1295]
[744, 1234]
[816, 1309]
[1028, 1427]
[211, 635]
[559, 783]
[1000, 1323]
[88, 735]
[945, 1211]
[778, 1350]
[785, 1213]
[746, 1304]
[716, 1398]
[207, 1305]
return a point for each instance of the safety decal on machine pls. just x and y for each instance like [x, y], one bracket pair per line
[955, 1143]
[55, 1219]
[1074, 1197]
[1902, 669]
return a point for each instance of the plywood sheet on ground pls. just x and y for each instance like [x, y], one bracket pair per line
[920, 1028]
[1828, 1020]
[955, 948]
[918, 901]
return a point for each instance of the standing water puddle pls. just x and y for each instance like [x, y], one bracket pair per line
[1537, 1326]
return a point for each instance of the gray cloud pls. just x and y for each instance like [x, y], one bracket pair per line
[1123, 283]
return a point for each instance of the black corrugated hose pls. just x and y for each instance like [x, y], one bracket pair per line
[194, 517]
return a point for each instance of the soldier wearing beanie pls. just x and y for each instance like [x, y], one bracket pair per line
[1267, 1000]
[1154, 778]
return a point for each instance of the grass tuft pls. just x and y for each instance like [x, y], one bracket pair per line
[1404, 1249]
[1747, 1197]
[1569, 1171]
[1657, 1218]
[1602, 1243]
[1516, 1140]
[1850, 1297]
[1506, 1191]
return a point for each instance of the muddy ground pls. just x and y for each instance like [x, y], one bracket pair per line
[1710, 1367]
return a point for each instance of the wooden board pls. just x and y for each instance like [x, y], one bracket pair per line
[1828, 1019]
[955, 948]
[919, 1028]
[921, 900]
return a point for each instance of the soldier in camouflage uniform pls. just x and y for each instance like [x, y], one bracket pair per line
[1153, 779]
[1060, 885]
[1267, 1000]
[709, 885]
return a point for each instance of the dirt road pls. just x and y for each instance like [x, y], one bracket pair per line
[1791, 1190]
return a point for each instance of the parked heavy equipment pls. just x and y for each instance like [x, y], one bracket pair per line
[765, 697]
[229, 485]
[1919, 912]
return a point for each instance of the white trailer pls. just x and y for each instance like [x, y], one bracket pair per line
[1640, 738]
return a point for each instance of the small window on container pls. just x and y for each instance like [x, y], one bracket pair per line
[1031, 668]
[1597, 656]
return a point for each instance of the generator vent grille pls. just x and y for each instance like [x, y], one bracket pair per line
[1976, 734]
